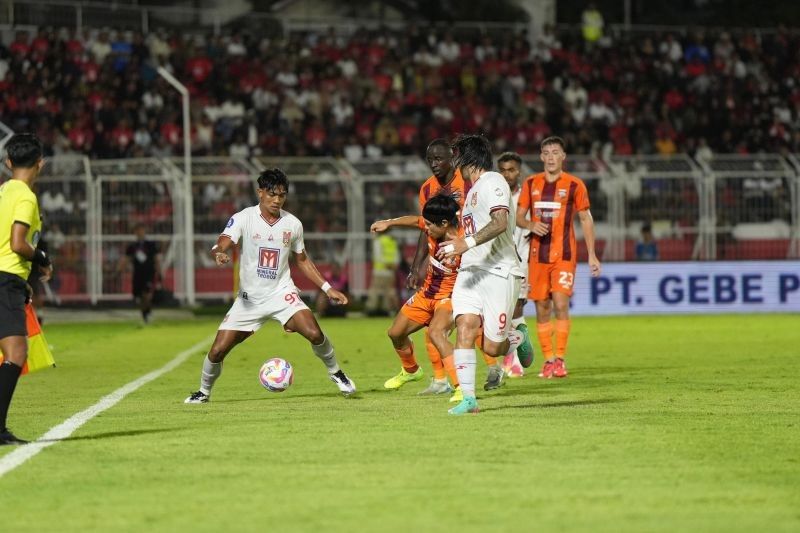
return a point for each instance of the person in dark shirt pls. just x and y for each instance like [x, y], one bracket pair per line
[145, 257]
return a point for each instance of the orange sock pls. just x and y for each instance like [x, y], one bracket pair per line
[407, 358]
[435, 357]
[562, 335]
[450, 368]
[545, 332]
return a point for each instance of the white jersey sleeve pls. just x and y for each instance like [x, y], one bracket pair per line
[499, 256]
[233, 228]
[521, 235]
[298, 244]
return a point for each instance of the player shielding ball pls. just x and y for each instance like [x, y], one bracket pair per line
[266, 290]
[487, 286]
[430, 305]
[552, 198]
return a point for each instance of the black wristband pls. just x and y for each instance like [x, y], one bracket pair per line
[40, 258]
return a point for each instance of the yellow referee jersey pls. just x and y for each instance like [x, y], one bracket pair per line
[17, 204]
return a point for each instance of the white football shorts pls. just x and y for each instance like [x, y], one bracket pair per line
[245, 315]
[479, 292]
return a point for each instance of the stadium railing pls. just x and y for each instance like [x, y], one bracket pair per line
[742, 207]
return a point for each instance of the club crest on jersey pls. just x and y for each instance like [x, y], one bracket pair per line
[287, 238]
[536, 192]
[268, 261]
[562, 193]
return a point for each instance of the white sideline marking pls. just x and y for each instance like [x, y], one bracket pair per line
[66, 428]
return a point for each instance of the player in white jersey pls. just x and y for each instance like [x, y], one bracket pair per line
[487, 286]
[509, 164]
[266, 291]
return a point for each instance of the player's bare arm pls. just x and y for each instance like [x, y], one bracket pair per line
[495, 227]
[407, 221]
[220, 250]
[22, 247]
[414, 278]
[539, 228]
[309, 270]
[587, 225]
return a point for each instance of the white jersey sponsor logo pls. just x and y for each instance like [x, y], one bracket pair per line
[264, 266]
[498, 256]
[546, 211]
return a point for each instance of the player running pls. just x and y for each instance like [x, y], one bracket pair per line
[552, 198]
[431, 305]
[509, 164]
[266, 289]
[487, 286]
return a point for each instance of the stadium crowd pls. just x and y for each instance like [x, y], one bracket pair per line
[390, 92]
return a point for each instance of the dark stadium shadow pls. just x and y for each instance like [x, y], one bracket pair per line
[550, 405]
[507, 392]
[628, 370]
[332, 394]
[112, 434]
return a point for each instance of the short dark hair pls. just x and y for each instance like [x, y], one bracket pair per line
[472, 151]
[553, 139]
[438, 142]
[273, 178]
[441, 208]
[24, 150]
[509, 156]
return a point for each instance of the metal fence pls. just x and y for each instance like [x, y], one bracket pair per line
[733, 207]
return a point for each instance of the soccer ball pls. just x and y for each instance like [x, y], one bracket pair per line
[276, 374]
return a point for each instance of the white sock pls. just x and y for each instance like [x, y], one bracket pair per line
[465, 369]
[211, 372]
[517, 321]
[325, 352]
[515, 338]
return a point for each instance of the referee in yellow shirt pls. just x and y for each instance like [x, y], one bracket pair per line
[20, 228]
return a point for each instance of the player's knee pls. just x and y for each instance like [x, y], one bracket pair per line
[217, 354]
[467, 333]
[438, 335]
[562, 310]
[315, 336]
[395, 335]
[19, 355]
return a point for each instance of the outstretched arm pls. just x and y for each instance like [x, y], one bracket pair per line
[309, 270]
[407, 221]
[495, 227]
[587, 225]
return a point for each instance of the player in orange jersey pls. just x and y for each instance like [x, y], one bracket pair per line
[552, 198]
[430, 305]
[448, 180]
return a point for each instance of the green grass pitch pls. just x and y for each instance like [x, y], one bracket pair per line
[664, 424]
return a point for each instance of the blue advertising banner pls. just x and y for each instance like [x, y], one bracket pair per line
[687, 287]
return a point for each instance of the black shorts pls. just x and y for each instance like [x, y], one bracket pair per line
[13, 293]
[142, 285]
